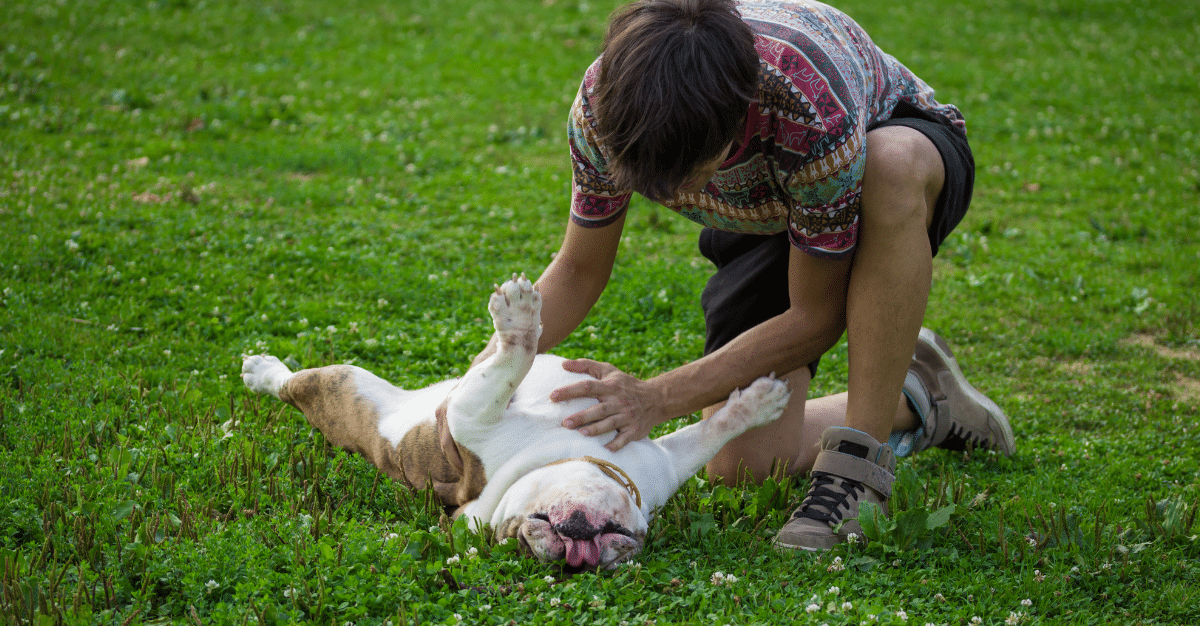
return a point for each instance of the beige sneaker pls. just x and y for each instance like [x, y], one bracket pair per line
[955, 414]
[851, 468]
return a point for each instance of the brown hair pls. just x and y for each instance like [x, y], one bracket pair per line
[676, 78]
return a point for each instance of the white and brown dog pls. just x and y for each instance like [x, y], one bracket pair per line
[491, 443]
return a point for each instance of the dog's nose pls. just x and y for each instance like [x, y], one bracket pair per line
[577, 527]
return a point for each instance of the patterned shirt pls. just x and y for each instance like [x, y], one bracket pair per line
[799, 166]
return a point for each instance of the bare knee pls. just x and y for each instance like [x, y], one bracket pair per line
[903, 178]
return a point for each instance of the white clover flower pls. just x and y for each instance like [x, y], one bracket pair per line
[472, 552]
[549, 580]
[721, 578]
[555, 602]
[210, 585]
[1014, 618]
[902, 615]
[458, 618]
[833, 591]
[391, 536]
[977, 620]
[812, 608]
[939, 597]
[846, 606]
[453, 560]
[836, 565]
[72, 245]
[1026, 602]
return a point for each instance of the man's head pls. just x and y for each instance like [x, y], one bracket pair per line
[676, 78]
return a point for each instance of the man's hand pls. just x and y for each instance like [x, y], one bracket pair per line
[627, 405]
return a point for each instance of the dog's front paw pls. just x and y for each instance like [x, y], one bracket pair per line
[760, 403]
[515, 306]
[264, 374]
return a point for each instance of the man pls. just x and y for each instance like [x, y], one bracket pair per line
[826, 175]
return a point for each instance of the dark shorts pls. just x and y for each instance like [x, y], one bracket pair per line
[750, 284]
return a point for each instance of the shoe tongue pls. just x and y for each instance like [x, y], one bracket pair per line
[853, 449]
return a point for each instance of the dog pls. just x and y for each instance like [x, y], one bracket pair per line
[492, 447]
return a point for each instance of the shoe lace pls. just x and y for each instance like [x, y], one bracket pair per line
[828, 492]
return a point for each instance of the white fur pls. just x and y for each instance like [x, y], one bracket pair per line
[501, 411]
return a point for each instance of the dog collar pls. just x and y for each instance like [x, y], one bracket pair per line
[610, 470]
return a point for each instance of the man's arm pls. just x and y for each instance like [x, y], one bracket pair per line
[783, 343]
[573, 281]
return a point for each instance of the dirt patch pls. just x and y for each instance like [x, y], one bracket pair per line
[1147, 341]
[1185, 388]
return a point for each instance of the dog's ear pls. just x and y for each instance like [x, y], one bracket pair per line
[509, 528]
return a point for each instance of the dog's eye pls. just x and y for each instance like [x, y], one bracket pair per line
[540, 516]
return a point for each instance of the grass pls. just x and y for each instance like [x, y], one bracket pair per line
[185, 181]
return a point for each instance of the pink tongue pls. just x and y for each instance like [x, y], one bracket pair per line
[580, 552]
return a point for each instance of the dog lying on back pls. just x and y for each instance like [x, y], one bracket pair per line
[492, 446]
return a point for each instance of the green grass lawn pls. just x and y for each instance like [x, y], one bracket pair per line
[185, 181]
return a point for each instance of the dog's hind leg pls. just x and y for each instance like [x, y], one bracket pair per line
[484, 392]
[342, 401]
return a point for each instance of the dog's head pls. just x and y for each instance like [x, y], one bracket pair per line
[574, 512]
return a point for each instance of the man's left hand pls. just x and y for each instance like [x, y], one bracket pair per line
[626, 404]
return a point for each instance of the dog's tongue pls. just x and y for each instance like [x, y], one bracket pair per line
[581, 552]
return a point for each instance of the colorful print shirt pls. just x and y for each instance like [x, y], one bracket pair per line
[822, 82]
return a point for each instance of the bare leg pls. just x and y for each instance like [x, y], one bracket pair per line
[892, 272]
[793, 438]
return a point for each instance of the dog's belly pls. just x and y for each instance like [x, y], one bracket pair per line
[531, 402]
[530, 415]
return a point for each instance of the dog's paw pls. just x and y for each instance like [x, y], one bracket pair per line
[515, 306]
[264, 374]
[760, 403]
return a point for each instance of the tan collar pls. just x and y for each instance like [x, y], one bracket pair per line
[610, 470]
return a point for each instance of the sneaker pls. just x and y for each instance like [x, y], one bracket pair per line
[851, 468]
[954, 414]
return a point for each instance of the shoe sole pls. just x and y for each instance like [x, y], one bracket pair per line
[931, 340]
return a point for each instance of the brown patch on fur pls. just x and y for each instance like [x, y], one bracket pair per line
[330, 402]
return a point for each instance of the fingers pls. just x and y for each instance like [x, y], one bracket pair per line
[588, 417]
[596, 369]
[582, 389]
[623, 437]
